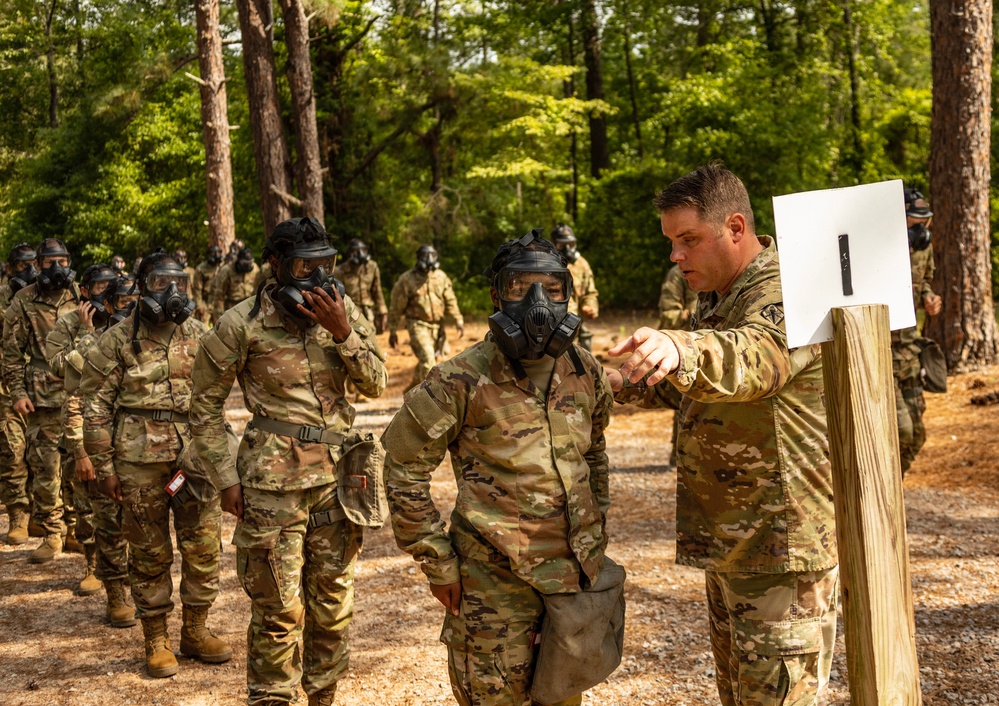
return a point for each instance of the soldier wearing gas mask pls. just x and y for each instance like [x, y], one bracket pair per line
[22, 269]
[530, 518]
[425, 296]
[137, 386]
[363, 283]
[905, 349]
[236, 281]
[293, 348]
[202, 282]
[36, 393]
[584, 301]
[118, 265]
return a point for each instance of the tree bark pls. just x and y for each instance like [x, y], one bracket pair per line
[50, 9]
[854, 157]
[599, 151]
[959, 181]
[309, 169]
[256, 23]
[635, 117]
[569, 88]
[215, 127]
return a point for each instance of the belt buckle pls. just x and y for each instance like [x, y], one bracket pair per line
[162, 415]
[310, 434]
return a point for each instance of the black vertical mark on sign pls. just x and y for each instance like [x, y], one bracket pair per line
[844, 264]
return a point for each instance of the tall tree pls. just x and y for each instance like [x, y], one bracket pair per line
[309, 170]
[256, 23]
[215, 127]
[599, 150]
[959, 181]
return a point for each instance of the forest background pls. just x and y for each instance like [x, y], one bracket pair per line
[462, 122]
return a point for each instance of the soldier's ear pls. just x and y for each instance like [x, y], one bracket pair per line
[495, 297]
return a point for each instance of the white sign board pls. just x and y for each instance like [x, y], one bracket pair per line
[842, 247]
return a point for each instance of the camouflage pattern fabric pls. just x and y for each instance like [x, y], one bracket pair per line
[754, 485]
[677, 301]
[201, 289]
[363, 284]
[14, 472]
[584, 287]
[423, 296]
[533, 493]
[909, 403]
[231, 287]
[264, 273]
[284, 378]
[772, 635]
[197, 521]
[295, 575]
[423, 341]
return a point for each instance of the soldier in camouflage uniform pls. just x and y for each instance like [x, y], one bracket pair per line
[363, 283]
[754, 486]
[584, 300]
[905, 350]
[295, 549]
[22, 269]
[525, 428]
[136, 434]
[202, 281]
[425, 296]
[62, 341]
[677, 303]
[37, 393]
[235, 282]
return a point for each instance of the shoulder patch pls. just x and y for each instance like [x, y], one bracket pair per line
[773, 313]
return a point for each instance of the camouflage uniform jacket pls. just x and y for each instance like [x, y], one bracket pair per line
[754, 485]
[5, 296]
[232, 287]
[904, 349]
[677, 301]
[29, 319]
[201, 283]
[584, 286]
[285, 374]
[532, 473]
[423, 296]
[73, 409]
[67, 363]
[158, 377]
[363, 284]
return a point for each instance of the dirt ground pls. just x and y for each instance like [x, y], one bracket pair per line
[55, 649]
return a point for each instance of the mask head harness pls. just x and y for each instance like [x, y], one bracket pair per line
[54, 276]
[94, 275]
[306, 261]
[22, 253]
[357, 251]
[565, 241]
[214, 255]
[916, 206]
[244, 261]
[426, 258]
[533, 286]
[163, 288]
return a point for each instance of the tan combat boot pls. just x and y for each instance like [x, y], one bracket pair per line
[17, 533]
[71, 544]
[35, 529]
[121, 611]
[89, 585]
[324, 697]
[160, 660]
[46, 551]
[196, 640]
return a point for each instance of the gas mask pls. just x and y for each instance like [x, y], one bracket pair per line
[214, 255]
[308, 266]
[165, 296]
[533, 320]
[426, 259]
[181, 257]
[359, 252]
[244, 261]
[55, 276]
[22, 279]
[568, 249]
[118, 265]
[120, 315]
[94, 277]
[919, 236]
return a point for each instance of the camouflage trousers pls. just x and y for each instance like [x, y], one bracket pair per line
[298, 570]
[772, 635]
[43, 434]
[909, 405]
[103, 517]
[197, 520]
[81, 518]
[14, 474]
[491, 642]
[423, 341]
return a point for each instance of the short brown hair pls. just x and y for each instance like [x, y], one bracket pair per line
[714, 191]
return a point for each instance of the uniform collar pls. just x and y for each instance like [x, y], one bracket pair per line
[721, 304]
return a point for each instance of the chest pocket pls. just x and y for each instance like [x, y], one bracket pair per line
[508, 424]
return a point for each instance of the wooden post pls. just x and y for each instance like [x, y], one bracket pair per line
[870, 512]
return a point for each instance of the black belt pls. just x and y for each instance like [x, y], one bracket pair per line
[302, 432]
[157, 415]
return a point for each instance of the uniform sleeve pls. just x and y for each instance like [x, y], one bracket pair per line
[376, 289]
[415, 442]
[362, 356]
[451, 303]
[398, 301]
[588, 295]
[220, 290]
[673, 313]
[15, 342]
[102, 376]
[59, 344]
[596, 455]
[221, 354]
[926, 290]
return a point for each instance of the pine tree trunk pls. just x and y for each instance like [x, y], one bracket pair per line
[599, 151]
[215, 127]
[959, 182]
[256, 23]
[310, 176]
